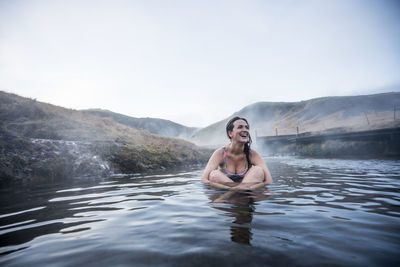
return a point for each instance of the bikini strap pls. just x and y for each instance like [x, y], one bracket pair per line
[223, 164]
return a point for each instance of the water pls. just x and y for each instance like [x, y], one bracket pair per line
[318, 211]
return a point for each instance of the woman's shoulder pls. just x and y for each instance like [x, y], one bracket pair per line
[254, 153]
[219, 151]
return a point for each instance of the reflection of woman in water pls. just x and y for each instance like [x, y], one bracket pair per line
[236, 166]
[241, 206]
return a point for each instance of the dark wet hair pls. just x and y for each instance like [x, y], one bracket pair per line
[247, 149]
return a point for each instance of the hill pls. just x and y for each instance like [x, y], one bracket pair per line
[327, 114]
[151, 125]
[39, 139]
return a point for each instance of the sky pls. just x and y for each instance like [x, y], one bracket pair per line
[196, 62]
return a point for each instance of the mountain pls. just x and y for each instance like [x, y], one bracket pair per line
[39, 139]
[151, 125]
[44, 140]
[327, 114]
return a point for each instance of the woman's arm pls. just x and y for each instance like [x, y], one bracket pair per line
[212, 164]
[257, 160]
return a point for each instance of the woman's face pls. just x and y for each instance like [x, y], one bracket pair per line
[240, 132]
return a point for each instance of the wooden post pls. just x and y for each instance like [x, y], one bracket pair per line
[366, 117]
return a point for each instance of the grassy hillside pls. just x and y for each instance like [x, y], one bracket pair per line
[127, 149]
[30, 118]
[328, 114]
[151, 125]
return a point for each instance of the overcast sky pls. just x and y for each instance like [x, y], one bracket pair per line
[196, 62]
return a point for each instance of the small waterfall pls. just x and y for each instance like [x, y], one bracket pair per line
[76, 158]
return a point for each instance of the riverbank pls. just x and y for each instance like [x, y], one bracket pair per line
[44, 141]
[43, 159]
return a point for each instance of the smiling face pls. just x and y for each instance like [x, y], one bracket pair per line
[240, 132]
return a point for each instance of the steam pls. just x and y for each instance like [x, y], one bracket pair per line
[320, 115]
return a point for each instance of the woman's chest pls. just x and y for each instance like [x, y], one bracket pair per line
[236, 163]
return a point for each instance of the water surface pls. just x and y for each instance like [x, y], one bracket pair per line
[317, 211]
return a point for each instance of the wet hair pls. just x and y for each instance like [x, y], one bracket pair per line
[229, 128]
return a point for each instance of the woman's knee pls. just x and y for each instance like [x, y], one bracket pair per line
[257, 170]
[255, 173]
[214, 176]
[218, 177]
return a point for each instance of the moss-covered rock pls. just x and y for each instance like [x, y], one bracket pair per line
[132, 159]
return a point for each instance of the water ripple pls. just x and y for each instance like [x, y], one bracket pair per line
[172, 218]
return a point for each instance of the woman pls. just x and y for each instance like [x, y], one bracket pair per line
[236, 166]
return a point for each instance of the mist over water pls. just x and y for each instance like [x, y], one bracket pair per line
[319, 115]
[317, 211]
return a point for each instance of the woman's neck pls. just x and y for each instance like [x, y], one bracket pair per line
[236, 148]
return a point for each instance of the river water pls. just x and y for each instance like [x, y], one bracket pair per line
[317, 211]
